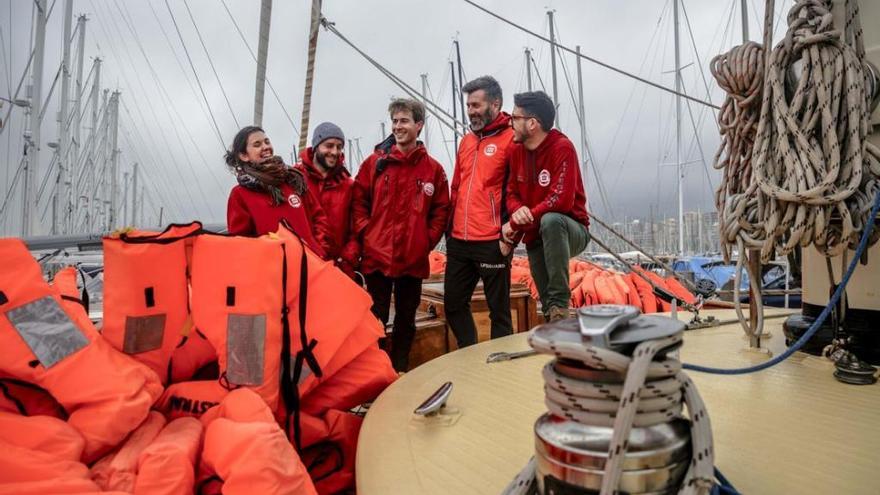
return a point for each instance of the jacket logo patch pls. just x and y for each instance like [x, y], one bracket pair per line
[544, 178]
[294, 201]
[490, 150]
[428, 188]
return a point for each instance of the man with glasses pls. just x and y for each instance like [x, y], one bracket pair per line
[546, 198]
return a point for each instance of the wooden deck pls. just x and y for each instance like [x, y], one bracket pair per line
[789, 429]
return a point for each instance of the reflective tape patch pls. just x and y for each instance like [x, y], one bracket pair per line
[245, 344]
[143, 333]
[47, 330]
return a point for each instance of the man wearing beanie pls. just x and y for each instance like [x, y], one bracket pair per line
[323, 165]
[401, 202]
[546, 199]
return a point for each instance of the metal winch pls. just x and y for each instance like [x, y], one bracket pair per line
[575, 439]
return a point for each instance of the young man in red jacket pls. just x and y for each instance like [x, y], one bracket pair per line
[546, 198]
[401, 204]
[474, 247]
[323, 165]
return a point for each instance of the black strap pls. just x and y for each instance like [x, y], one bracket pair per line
[230, 296]
[18, 404]
[289, 395]
[307, 345]
[29, 385]
[323, 451]
[73, 299]
[159, 239]
[290, 378]
[84, 293]
[149, 297]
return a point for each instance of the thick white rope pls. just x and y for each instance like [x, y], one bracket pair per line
[810, 159]
[652, 393]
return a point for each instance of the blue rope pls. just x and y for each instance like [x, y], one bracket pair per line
[863, 243]
[724, 486]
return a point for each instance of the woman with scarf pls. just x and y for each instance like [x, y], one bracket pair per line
[269, 191]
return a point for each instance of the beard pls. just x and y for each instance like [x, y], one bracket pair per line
[479, 121]
[321, 160]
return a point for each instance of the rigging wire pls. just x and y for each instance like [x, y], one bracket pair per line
[174, 109]
[196, 74]
[442, 134]
[183, 71]
[437, 110]
[211, 63]
[254, 56]
[588, 58]
[167, 146]
[125, 108]
[595, 166]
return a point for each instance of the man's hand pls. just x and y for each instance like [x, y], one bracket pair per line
[505, 248]
[507, 232]
[522, 216]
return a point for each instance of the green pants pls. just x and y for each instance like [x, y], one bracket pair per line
[561, 239]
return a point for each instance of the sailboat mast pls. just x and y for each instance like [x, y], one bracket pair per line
[553, 65]
[678, 165]
[529, 70]
[745, 19]
[425, 101]
[32, 137]
[62, 185]
[464, 120]
[262, 54]
[454, 104]
[76, 146]
[310, 73]
[583, 115]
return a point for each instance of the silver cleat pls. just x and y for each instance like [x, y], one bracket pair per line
[507, 356]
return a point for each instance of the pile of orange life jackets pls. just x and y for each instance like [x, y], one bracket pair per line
[224, 364]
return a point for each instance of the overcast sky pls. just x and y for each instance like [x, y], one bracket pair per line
[166, 127]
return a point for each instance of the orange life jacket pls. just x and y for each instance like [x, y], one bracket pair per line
[238, 304]
[118, 470]
[146, 293]
[246, 451]
[167, 465]
[47, 343]
[361, 380]
[330, 447]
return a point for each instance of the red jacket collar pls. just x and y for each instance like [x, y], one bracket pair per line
[501, 121]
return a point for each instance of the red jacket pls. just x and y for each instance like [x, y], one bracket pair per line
[401, 204]
[251, 213]
[478, 184]
[546, 180]
[334, 192]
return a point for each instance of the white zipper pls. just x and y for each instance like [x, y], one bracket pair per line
[470, 184]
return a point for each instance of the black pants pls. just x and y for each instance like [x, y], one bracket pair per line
[466, 263]
[407, 294]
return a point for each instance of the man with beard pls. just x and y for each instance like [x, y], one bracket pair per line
[323, 165]
[401, 203]
[474, 247]
[546, 198]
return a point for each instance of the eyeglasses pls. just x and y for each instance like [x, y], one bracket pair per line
[515, 117]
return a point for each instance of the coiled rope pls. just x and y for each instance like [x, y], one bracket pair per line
[652, 393]
[810, 162]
